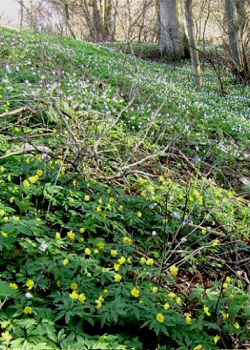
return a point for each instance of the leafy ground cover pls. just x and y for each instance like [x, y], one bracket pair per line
[124, 206]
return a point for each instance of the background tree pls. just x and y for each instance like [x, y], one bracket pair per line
[192, 44]
[172, 34]
[235, 11]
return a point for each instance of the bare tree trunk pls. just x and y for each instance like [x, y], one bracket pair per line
[235, 37]
[21, 13]
[192, 44]
[172, 34]
[67, 18]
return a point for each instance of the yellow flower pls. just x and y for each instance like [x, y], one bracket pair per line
[178, 301]
[33, 179]
[109, 206]
[105, 291]
[113, 253]
[96, 251]
[143, 261]
[27, 310]
[74, 182]
[100, 200]
[139, 214]
[203, 231]
[74, 286]
[180, 196]
[57, 235]
[188, 319]
[82, 230]
[129, 260]
[99, 304]
[6, 336]
[26, 183]
[100, 245]
[135, 292]
[87, 251]
[166, 306]
[127, 240]
[39, 172]
[150, 262]
[154, 290]
[5, 218]
[65, 261]
[71, 235]
[74, 295]
[120, 208]
[121, 260]
[224, 315]
[117, 277]
[216, 339]
[30, 284]
[116, 267]
[215, 242]
[171, 295]
[231, 296]
[206, 310]
[236, 325]
[4, 234]
[82, 298]
[101, 299]
[13, 285]
[58, 283]
[98, 208]
[228, 280]
[160, 318]
[2, 212]
[198, 347]
[111, 199]
[174, 270]
[86, 197]
[161, 178]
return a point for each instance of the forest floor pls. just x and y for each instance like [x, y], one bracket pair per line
[124, 200]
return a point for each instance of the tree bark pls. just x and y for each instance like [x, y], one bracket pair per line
[67, 18]
[192, 44]
[172, 34]
[234, 14]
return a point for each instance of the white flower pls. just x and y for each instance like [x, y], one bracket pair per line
[154, 233]
[28, 295]
[43, 246]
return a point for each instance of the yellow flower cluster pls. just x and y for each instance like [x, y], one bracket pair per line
[32, 179]
[99, 302]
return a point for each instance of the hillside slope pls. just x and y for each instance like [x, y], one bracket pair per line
[124, 212]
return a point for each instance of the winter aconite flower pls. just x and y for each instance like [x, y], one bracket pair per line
[150, 262]
[13, 286]
[87, 251]
[160, 318]
[154, 290]
[74, 295]
[27, 310]
[198, 347]
[71, 235]
[127, 240]
[166, 306]
[30, 284]
[121, 260]
[135, 292]
[113, 253]
[143, 261]
[100, 245]
[188, 319]
[178, 301]
[65, 262]
[73, 286]
[82, 298]
[174, 270]
[116, 267]
[139, 214]
[117, 277]
[6, 336]
[206, 310]
[216, 339]
[86, 198]
[171, 295]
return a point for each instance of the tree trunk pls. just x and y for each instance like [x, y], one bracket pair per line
[67, 18]
[235, 37]
[21, 13]
[192, 44]
[172, 34]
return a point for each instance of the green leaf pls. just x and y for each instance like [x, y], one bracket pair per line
[6, 290]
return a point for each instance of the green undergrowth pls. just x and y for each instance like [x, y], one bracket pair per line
[124, 201]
